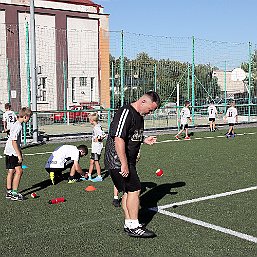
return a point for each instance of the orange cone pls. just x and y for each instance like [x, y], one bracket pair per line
[90, 188]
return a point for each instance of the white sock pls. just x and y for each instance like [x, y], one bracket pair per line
[99, 176]
[116, 197]
[89, 175]
[127, 223]
[134, 224]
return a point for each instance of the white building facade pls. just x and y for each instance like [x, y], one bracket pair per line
[72, 53]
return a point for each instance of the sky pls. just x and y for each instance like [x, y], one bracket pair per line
[217, 20]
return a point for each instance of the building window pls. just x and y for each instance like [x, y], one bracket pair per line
[83, 81]
[73, 80]
[41, 93]
[91, 88]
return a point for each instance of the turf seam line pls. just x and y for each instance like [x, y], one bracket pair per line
[210, 226]
[207, 197]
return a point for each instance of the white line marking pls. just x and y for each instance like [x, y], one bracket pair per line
[211, 226]
[160, 142]
[207, 197]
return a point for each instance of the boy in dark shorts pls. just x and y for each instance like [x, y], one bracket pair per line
[13, 155]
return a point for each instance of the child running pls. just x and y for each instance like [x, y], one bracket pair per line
[184, 117]
[232, 118]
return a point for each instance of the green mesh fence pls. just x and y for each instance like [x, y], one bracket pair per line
[201, 69]
[178, 68]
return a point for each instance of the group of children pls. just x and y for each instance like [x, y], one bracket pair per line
[63, 157]
[231, 117]
[67, 156]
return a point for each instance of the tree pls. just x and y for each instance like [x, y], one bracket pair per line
[245, 67]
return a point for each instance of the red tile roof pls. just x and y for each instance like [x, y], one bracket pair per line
[78, 2]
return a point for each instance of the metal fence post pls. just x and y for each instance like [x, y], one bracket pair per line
[249, 81]
[225, 87]
[193, 81]
[122, 68]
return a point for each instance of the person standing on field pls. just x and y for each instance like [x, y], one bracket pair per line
[13, 156]
[232, 118]
[121, 151]
[9, 118]
[212, 111]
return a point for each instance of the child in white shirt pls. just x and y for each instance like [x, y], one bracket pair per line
[97, 146]
[184, 117]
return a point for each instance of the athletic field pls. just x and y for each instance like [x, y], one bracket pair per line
[204, 204]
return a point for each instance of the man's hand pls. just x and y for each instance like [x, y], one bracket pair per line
[124, 171]
[150, 140]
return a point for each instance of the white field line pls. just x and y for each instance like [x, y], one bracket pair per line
[160, 142]
[207, 198]
[199, 138]
[210, 226]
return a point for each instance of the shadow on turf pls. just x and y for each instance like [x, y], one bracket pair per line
[58, 178]
[36, 187]
[150, 199]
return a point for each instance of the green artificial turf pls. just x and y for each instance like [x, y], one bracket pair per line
[88, 225]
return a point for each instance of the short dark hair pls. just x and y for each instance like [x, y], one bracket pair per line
[7, 106]
[25, 111]
[83, 148]
[212, 102]
[187, 102]
[154, 97]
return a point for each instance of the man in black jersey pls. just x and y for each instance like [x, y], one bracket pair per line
[122, 147]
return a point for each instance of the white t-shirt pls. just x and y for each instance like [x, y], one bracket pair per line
[184, 115]
[231, 114]
[15, 134]
[10, 118]
[212, 111]
[97, 132]
[61, 155]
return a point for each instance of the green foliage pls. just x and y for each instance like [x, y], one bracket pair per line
[145, 73]
[245, 67]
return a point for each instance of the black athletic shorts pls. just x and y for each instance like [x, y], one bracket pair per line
[183, 126]
[128, 184]
[211, 119]
[11, 162]
[231, 124]
[95, 156]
